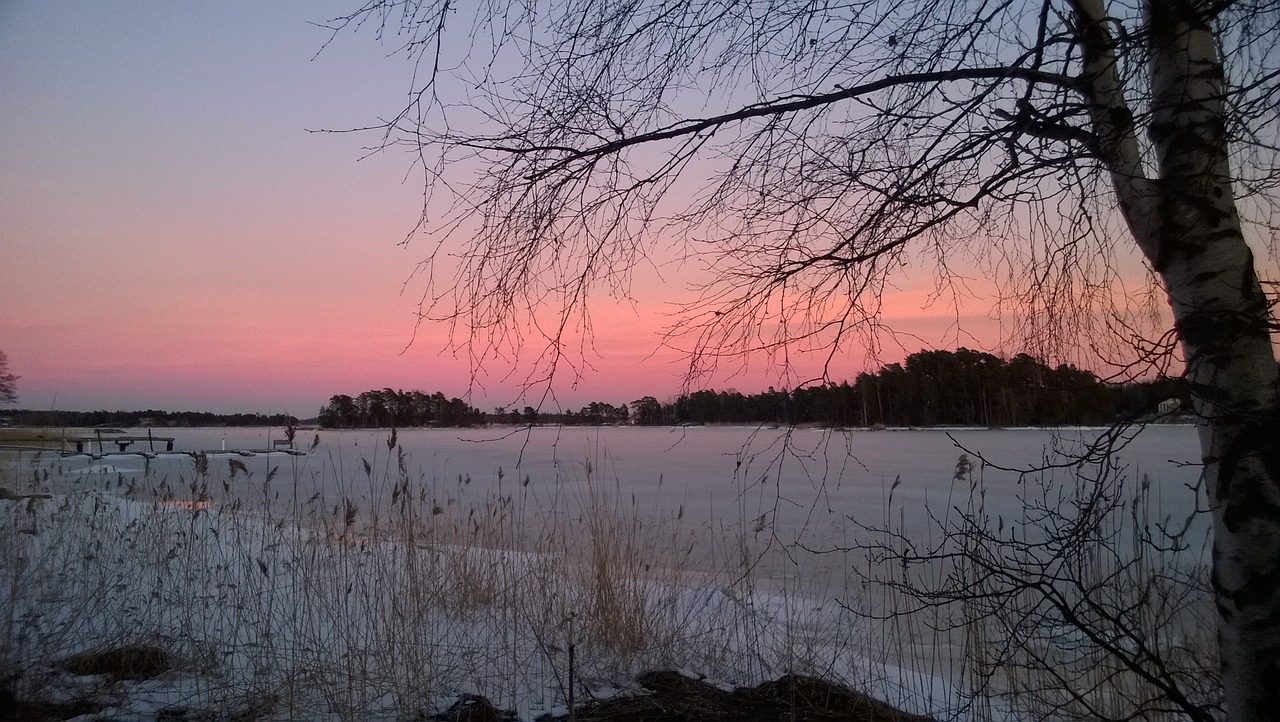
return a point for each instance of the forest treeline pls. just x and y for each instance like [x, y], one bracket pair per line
[379, 408]
[939, 388]
[930, 388]
[136, 419]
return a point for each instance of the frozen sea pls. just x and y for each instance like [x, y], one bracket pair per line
[742, 551]
[781, 488]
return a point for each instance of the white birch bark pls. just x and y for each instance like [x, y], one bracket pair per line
[1186, 223]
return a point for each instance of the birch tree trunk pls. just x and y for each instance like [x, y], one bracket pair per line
[1188, 226]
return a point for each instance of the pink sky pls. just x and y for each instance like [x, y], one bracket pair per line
[173, 238]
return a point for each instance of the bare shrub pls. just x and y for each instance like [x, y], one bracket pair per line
[1089, 606]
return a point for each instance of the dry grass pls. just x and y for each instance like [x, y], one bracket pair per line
[1088, 607]
[387, 593]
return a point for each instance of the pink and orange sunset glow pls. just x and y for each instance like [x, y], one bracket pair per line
[174, 238]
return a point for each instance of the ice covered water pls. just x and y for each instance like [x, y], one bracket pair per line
[758, 494]
[756, 529]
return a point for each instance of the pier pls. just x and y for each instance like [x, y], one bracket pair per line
[80, 443]
[150, 454]
[62, 443]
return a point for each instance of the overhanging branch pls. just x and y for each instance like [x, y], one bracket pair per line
[777, 107]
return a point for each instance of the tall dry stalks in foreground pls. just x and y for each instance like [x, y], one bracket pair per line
[1089, 606]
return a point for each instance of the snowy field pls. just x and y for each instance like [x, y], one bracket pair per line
[381, 578]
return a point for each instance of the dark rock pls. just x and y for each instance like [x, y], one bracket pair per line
[129, 662]
[675, 697]
[472, 708]
[819, 699]
[13, 709]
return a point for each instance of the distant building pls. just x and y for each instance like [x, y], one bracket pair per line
[1169, 406]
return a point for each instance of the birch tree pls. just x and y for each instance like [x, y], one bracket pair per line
[808, 153]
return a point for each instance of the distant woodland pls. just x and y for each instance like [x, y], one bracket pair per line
[135, 419]
[930, 388]
[388, 407]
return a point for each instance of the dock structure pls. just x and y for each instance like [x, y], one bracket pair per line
[81, 444]
[244, 452]
[150, 454]
[124, 442]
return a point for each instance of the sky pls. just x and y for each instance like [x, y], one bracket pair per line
[174, 238]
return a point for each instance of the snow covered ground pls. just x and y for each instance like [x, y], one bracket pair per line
[377, 591]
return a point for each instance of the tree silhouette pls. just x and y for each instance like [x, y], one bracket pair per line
[8, 381]
[1038, 141]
